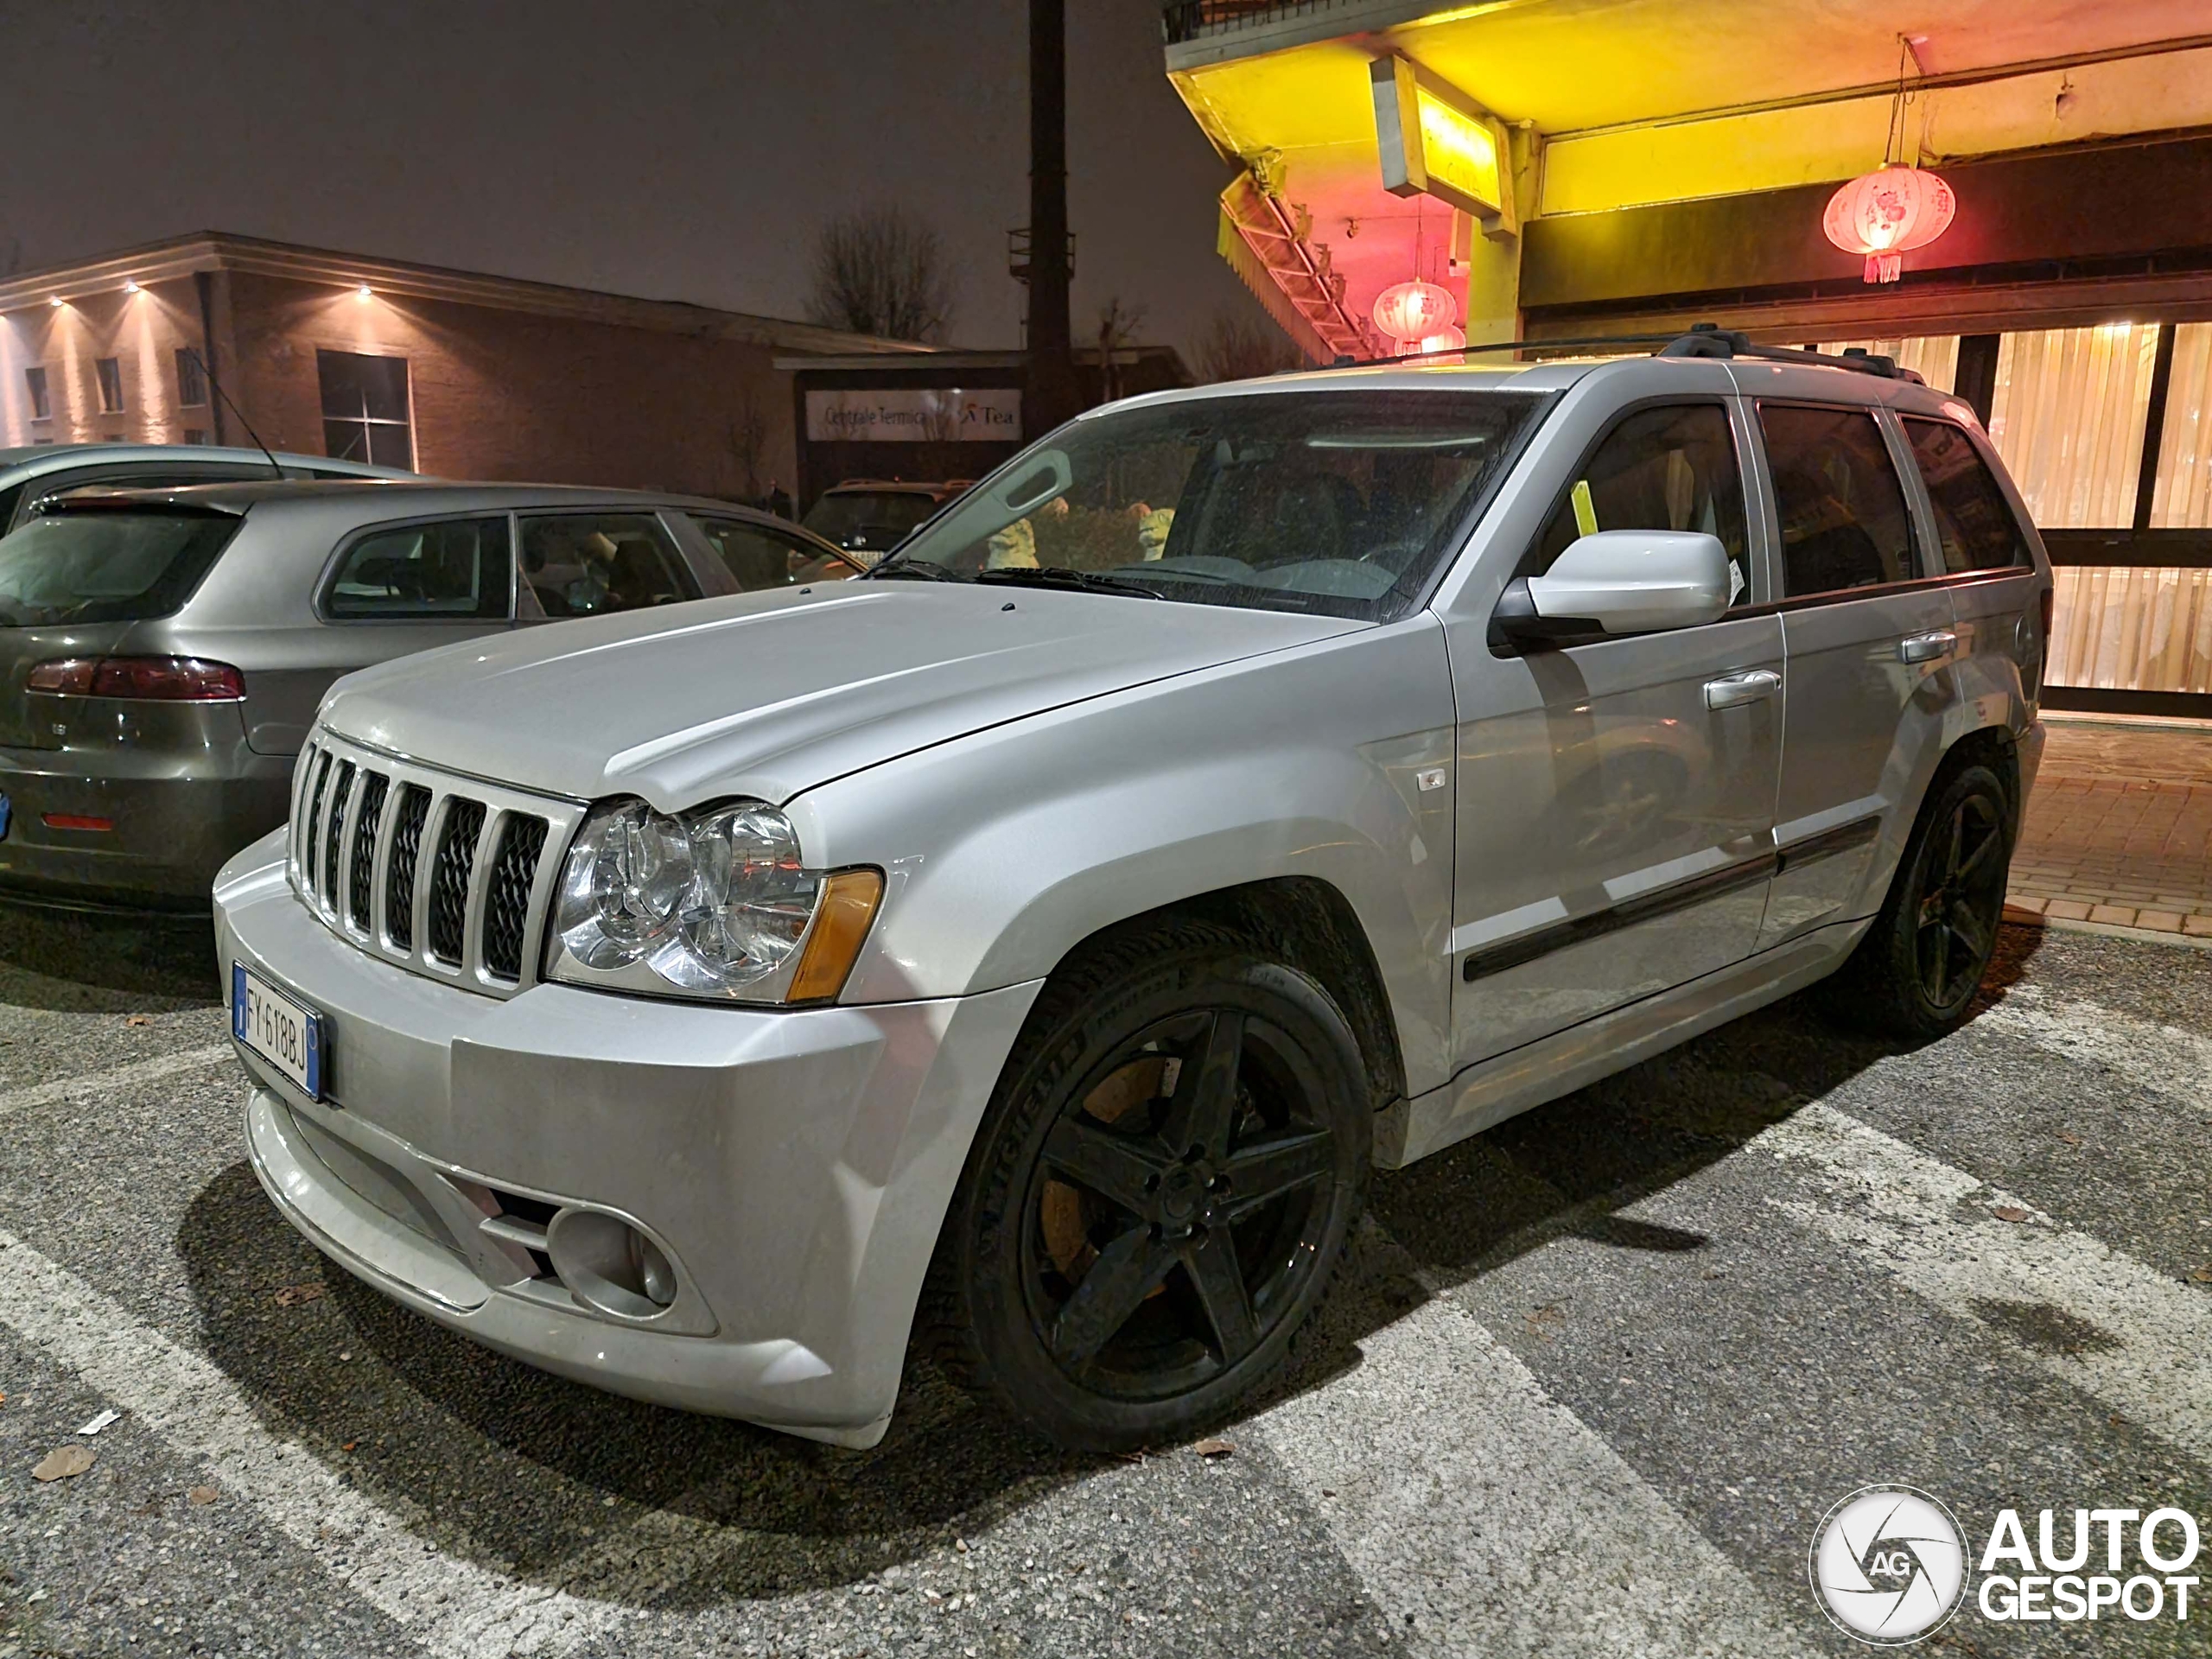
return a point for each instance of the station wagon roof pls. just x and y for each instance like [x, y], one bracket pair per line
[388, 498]
[34, 460]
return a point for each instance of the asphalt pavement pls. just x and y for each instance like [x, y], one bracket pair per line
[1589, 1386]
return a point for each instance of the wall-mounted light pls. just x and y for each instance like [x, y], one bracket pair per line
[364, 294]
[55, 300]
[130, 285]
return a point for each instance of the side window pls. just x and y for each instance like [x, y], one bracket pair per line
[758, 557]
[1844, 523]
[1973, 520]
[592, 563]
[1670, 467]
[452, 572]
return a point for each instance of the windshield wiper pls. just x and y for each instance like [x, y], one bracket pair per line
[919, 570]
[1046, 575]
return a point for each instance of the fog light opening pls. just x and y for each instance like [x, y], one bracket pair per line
[610, 1265]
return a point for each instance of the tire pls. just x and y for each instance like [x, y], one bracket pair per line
[1159, 1193]
[1915, 973]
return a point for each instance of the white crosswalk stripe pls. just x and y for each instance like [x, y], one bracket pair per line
[116, 1078]
[1935, 1229]
[453, 1608]
[2174, 1063]
[1464, 1495]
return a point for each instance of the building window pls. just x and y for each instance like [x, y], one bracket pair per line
[41, 404]
[196, 434]
[365, 409]
[2068, 416]
[108, 371]
[191, 378]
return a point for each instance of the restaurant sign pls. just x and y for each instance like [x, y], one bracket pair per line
[914, 414]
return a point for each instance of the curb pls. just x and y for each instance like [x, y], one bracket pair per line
[2014, 915]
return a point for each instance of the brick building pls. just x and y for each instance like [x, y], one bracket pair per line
[448, 371]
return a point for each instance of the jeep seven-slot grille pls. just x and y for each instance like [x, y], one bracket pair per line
[399, 885]
[430, 871]
[449, 875]
[507, 907]
[328, 888]
[370, 818]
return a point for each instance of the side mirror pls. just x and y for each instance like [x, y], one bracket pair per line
[1620, 581]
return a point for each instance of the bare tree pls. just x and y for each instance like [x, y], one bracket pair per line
[748, 440]
[1117, 330]
[1234, 347]
[881, 271]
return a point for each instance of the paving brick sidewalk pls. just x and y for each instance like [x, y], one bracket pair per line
[2120, 829]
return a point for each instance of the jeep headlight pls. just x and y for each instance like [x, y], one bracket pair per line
[715, 902]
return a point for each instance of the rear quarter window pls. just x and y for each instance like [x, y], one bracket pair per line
[1973, 521]
[107, 565]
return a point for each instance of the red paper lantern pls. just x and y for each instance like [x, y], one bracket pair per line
[1884, 214]
[1444, 339]
[1415, 310]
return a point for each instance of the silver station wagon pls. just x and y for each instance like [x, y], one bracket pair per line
[1029, 949]
[161, 652]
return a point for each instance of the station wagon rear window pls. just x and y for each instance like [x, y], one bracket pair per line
[106, 565]
[1341, 503]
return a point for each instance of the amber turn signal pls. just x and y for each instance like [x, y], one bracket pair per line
[848, 902]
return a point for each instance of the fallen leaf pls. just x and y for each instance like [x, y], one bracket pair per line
[200, 1495]
[2202, 1275]
[2009, 1212]
[1213, 1448]
[101, 1421]
[139, 1020]
[349, 1445]
[63, 1462]
[2070, 1140]
[293, 1295]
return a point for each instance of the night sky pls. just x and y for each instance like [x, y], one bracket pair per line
[668, 150]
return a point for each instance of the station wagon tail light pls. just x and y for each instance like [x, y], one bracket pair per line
[714, 903]
[143, 679]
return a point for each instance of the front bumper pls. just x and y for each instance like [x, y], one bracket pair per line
[794, 1166]
[176, 816]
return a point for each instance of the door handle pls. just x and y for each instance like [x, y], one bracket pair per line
[1748, 686]
[1927, 647]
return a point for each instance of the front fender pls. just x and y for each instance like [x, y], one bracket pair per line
[1006, 849]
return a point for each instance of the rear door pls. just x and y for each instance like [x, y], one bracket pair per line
[1996, 591]
[391, 590]
[1869, 636]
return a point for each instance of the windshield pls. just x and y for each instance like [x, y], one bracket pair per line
[1340, 502]
[106, 566]
[868, 521]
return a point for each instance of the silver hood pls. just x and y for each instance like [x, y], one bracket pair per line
[767, 695]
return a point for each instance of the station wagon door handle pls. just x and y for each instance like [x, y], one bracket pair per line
[1927, 647]
[1748, 686]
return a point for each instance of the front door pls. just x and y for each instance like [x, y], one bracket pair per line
[1870, 643]
[1616, 795]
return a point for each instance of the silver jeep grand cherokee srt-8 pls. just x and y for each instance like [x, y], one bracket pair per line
[1033, 945]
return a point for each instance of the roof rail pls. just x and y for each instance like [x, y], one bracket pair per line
[1703, 339]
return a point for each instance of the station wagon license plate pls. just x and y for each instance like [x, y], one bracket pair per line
[280, 1030]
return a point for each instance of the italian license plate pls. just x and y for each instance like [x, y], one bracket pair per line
[280, 1030]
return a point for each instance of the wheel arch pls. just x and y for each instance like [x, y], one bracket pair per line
[1307, 924]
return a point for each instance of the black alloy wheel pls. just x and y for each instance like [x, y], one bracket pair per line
[1915, 971]
[1156, 1203]
[1962, 896]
